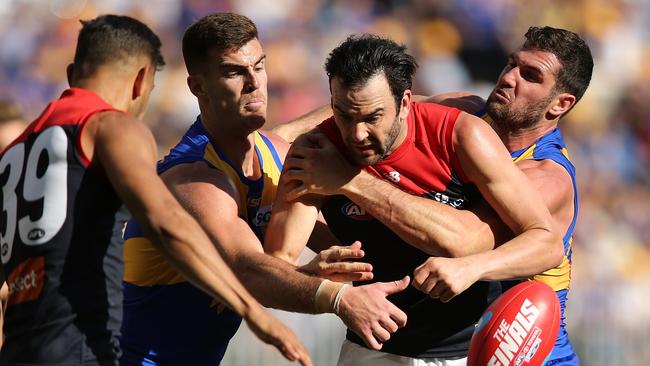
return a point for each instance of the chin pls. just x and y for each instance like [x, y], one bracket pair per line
[255, 121]
[366, 160]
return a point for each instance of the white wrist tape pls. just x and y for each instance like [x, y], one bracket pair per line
[325, 300]
[338, 298]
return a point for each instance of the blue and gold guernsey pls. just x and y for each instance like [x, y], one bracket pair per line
[167, 321]
[551, 146]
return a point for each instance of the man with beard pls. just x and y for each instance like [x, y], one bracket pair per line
[540, 84]
[435, 154]
[225, 172]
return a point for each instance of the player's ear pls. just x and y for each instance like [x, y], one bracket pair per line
[562, 103]
[405, 104]
[139, 83]
[195, 83]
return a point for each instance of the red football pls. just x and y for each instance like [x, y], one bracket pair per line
[518, 329]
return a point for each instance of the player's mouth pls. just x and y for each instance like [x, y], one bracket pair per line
[501, 96]
[254, 104]
[364, 149]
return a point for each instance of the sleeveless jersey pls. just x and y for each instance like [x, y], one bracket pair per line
[167, 321]
[425, 164]
[551, 146]
[61, 242]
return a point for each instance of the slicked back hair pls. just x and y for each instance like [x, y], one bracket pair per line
[360, 57]
[572, 52]
[110, 38]
[219, 32]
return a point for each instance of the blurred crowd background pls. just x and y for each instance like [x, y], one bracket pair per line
[460, 45]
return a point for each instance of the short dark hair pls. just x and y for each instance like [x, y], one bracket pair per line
[109, 38]
[572, 52]
[360, 57]
[220, 32]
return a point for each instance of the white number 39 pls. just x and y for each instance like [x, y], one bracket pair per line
[46, 182]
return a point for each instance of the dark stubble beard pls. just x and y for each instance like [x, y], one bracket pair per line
[508, 120]
[390, 140]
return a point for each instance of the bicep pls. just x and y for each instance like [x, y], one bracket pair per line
[488, 164]
[210, 198]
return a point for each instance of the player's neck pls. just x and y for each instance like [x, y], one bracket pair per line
[112, 90]
[518, 139]
[238, 149]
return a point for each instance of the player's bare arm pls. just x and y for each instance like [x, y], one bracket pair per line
[290, 131]
[464, 101]
[126, 151]
[438, 276]
[316, 166]
[363, 309]
[331, 260]
[204, 192]
[537, 245]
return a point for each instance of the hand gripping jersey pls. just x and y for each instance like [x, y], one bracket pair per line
[61, 243]
[424, 164]
[551, 146]
[167, 321]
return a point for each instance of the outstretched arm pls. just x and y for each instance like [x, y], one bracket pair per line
[126, 151]
[464, 101]
[439, 276]
[537, 245]
[290, 131]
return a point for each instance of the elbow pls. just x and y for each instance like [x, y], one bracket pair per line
[554, 249]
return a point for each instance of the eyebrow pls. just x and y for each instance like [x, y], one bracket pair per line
[376, 111]
[237, 66]
[535, 69]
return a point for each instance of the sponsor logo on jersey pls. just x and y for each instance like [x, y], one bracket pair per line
[263, 216]
[443, 198]
[392, 176]
[26, 281]
[355, 212]
[518, 340]
[36, 234]
[254, 202]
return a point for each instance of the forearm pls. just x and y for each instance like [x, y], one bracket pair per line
[291, 290]
[433, 227]
[532, 252]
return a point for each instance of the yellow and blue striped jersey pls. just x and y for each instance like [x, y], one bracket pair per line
[167, 320]
[551, 146]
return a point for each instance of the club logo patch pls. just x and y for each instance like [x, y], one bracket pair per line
[355, 212]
